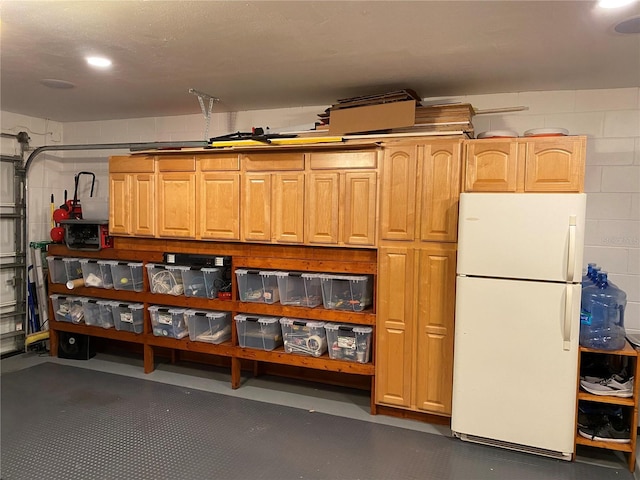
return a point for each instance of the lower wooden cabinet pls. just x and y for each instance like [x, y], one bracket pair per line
[415, 319]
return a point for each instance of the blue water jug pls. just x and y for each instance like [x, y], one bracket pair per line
[587, 278]
[602, 315]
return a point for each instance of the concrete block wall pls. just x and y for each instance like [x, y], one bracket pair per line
[610, 118]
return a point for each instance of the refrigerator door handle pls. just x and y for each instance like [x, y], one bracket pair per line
[568, 314]
[571, 255]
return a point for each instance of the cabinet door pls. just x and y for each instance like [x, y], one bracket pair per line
[491, 166]
[435, 295]
[554, 165]
[440, 192]
[288, 207]
[322, 208]
[359, 208]
[176, 204]
[143, 204]
[395, 326]
[119, 203]
[219, 206]
[398, 193]
[256, 207]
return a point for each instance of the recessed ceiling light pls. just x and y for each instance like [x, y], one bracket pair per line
[55, 83]
[614, 3]
[100, 62]
[630, 26]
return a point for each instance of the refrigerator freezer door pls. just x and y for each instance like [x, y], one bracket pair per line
[527, 236]
[513, 379]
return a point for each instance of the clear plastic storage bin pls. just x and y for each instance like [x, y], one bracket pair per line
[128, 317]
[165, 279]
[106, 313]
[95, 274]
[263, 333]
[208, 326]
[257, 286]
[67, 308]
[168, 322]
[91, 311]
[73, 268]
[349, 342]
[305, 337]
[301, 289]
[201, 282]
[346, 292]
[57, 272]
[126, 275]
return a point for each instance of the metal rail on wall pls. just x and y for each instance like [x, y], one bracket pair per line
[23, 138]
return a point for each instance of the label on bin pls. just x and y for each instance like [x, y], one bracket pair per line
[347, 342]
[126, 317]
[164, 319]
[585, 318]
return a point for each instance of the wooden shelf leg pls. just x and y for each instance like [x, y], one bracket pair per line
[174, 356]
[53, 342]
[235, 372]
[373, 406]
[149, 364]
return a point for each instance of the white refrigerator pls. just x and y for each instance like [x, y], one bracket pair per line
[517, 320]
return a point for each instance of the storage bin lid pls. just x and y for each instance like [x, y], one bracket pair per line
[268, 273]
[70, 259]
[210, 269]
[310, 275]
[88, 260]
[343, 326]
[256, 318]
[155, 265]
[88, 300]
[241, 271]
[207, 313]
[351, 278]
[130, 306]
[300, 321]
[106, 302]
[118, 262]
[155, 308]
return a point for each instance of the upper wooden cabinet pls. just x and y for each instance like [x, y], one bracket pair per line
[219, 205]
[530, 164]
[341, 199]
[420, 188]
[176, 198]
[132, 196]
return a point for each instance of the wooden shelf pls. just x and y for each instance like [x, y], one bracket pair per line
[630, 404]
[288, 258]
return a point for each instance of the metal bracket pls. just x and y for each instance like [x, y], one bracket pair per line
[202, 97]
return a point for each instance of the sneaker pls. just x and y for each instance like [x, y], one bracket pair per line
[608, 386]
[592, 415]
[612, 430]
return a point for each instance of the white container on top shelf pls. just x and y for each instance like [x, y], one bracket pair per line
[349, 342]
[346, 292]
[201, 282]
[298, 288]
[95, 274]
[259, 332]
[208, 326]
[128, 317]
[305, 337]
[168, 322]
[126, 275]
[257, 286]
[165, 279]
[67, 308]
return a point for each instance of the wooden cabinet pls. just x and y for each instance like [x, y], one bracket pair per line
[132, 196]
[341, 208]
[628, 405]
[416, 301]
[176, 182]
[341, 200]
[218, 197]
[530, 164]
[420, 188]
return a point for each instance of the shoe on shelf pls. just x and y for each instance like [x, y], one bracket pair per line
[608, 386]
[592, 414]
[612, 430]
